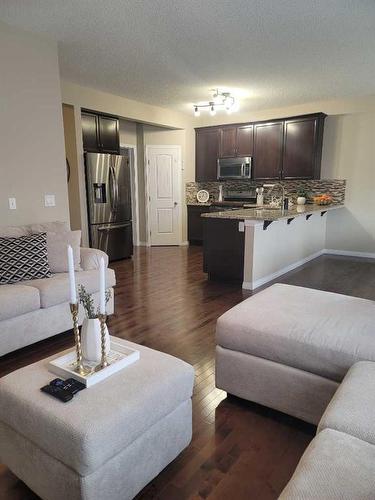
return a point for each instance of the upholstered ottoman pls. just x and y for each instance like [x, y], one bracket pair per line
[109, 441]
[289, 347]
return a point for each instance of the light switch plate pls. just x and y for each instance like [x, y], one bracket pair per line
[12, 204]
[49, 200]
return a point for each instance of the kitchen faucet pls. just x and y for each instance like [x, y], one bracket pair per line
[282, 192]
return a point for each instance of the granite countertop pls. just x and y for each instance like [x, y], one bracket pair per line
[223, 203]
[198, 204]
[267, 214]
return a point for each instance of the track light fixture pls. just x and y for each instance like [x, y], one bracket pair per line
[219, 100]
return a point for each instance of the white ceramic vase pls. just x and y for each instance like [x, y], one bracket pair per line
[301, 200]
[91, 340]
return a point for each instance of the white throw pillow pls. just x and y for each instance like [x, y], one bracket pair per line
[14, 231]
[49, 227]
[57, 244]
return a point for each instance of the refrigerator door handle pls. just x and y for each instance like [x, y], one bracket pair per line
[116, 189]
[113, 189]
[111, 228]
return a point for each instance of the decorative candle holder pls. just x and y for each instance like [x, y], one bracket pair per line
[104, 360]
[79, 368]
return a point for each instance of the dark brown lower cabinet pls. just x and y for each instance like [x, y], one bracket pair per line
[223, 250]
[195, 223]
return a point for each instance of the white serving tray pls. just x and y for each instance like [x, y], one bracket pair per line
[118, 358]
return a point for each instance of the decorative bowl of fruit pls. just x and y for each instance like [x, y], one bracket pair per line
[323, 199]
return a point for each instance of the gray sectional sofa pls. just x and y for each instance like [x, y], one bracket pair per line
[339, 463]
[34, 310]
[311, 355]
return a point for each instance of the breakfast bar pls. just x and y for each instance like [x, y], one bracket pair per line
[256, 245]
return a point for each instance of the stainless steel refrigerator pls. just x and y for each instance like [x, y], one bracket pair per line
[109, 203]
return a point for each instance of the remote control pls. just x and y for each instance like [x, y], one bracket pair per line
[70, 384]
[58, 393]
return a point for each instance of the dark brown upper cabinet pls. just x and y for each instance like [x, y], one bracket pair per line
[303, 140]
[206, 154]
[236, 141]
[90, 131]
[109, 134]
[245, 140]
[100, 133]
[288, 148]
[268, 150]
[228, 142]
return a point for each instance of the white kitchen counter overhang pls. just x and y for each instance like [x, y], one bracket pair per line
[275, 247]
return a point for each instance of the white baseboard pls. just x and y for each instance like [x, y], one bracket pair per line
[349, 253]
[248, 285]
[145, 244]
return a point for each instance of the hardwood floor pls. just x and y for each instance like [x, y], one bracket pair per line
[239, 450]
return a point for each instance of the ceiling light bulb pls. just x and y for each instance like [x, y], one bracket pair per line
[228, 102]
[212, 110]
[235, 106]
[196, 111]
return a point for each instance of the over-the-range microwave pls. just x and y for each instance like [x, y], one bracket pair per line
[234, 168]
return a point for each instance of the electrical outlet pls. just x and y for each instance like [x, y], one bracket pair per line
[49, 200]
[12, 204]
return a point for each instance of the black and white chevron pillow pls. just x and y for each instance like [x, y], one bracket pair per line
[23, 258]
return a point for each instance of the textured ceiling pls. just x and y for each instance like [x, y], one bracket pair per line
[171, 52]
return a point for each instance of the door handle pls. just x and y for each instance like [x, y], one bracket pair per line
[114, 188]
[113, 228]
[111, 189]
[175, 204]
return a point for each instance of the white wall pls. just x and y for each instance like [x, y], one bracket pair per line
[349, 153]
[32, 156]
[71, 155]
[332, 107]
[127, 133]
[282, 247]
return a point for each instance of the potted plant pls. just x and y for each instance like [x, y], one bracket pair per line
[90, 331]
[301, 196]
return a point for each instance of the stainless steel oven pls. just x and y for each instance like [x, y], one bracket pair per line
[234, 168]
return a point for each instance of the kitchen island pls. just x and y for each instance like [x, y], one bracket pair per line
[256, 245]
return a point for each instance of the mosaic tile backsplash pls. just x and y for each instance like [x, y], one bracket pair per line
[334, 187]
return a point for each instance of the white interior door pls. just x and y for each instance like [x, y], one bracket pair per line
[164, 191]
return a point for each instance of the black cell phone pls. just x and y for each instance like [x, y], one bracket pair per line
[70, 384]
[58, 393]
